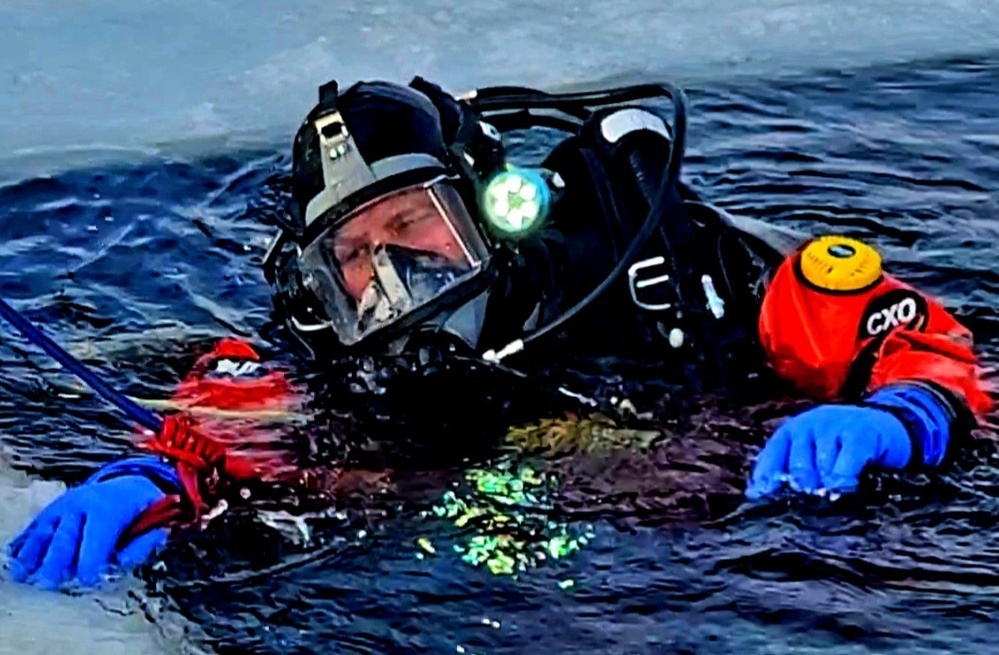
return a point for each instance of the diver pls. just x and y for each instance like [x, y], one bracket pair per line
[409, 225]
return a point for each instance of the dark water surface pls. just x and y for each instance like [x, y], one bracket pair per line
[137, 267]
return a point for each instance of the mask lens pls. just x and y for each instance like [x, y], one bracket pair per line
[392, 257]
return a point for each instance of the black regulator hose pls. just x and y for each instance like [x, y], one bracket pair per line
[669, 181]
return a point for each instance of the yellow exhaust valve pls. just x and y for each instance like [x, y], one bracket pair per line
[836, 263]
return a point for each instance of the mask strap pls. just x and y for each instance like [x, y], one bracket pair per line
[344, 169]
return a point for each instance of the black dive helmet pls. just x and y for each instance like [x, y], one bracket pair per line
[368, 165]
[388, 138]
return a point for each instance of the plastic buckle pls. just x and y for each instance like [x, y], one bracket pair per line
[646, 280]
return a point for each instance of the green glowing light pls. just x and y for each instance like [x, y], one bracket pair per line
[516, 201]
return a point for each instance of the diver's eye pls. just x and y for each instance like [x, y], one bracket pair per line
[404, 222]
[345, 256]
[400, 224]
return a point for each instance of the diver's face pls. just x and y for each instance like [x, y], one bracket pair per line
[407, 219]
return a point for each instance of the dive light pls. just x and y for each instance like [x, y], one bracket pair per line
[516, 201]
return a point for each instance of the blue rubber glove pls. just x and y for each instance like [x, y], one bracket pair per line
[76, 536]
[826, 449]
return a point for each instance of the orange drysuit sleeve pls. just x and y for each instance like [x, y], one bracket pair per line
[843, 337]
